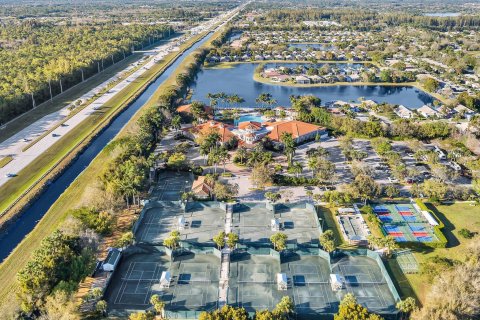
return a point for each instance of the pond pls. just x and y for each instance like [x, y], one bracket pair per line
[239, 80]
[315, 46]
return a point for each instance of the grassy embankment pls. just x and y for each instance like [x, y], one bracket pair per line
[75, 194]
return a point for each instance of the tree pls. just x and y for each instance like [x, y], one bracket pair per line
[392, 191]
[272, 196]
[225, 313]
[177, 161]
[126, 239]
[157, 304]
[288, 146]
[141, 316]
[101, 307]
[296, 168]
[279, 241]
[173, 240]
[176, 121]
[364, 187]
[284, 308]
[225, 191]
[434, 190]
[232, 240]
[325, 170]
[430, 84]
[327, 240]
[261, 176]
[406, 306]
[219, 240]
[350, 309]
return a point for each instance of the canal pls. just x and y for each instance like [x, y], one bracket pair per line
[13, 234]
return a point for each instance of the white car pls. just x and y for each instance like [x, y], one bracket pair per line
[392, 180]
[10, 175]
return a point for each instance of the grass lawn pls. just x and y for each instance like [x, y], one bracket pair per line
[455, 217]
[75, 194]
[330, 223]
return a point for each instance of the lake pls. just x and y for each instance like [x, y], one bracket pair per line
[239, 80]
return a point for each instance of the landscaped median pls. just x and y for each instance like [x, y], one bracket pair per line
[73, 195]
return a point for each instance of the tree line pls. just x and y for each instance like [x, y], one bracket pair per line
[42, 60]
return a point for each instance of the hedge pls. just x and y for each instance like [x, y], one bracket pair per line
[437, 230]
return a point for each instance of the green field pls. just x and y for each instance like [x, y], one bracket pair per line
[455, 217]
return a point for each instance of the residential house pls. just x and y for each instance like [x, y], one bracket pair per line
[404, 112]
[428, 112]
[302, 80]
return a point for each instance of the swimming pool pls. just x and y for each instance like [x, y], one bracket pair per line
[248, 117]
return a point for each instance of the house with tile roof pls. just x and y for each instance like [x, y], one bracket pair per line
[301, 131]
[203, 129]
[186, 110]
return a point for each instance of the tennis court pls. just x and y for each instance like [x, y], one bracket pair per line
[407, 262]
[253, 223]
[171, 185]
[364, 278]
[200, 224]
[404, 223]
[193, 286]
[252, 282]
[310, 285]
[299, 224]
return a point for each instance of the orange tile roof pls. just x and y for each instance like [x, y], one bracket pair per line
[250, 125]
[187, 108]
[209, 126]
[296, 128]
[200, 187]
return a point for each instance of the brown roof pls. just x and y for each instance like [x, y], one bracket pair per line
[201, 187]
[187, 108]
[209, 126]
[296, 128]
[250, 125]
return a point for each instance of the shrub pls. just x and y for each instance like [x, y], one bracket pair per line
[467, 234]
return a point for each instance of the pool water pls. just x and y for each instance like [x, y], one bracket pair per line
[248, 117]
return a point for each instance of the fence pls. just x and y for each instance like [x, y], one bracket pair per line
[375, 256]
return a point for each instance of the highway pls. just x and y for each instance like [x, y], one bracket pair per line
[14, 145]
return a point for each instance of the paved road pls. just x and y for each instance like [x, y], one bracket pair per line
[13, 146]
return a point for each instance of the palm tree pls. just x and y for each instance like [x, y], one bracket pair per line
[176, 120]
[157, 304]
[288, 146]
[241, 153]
[223, 157]
[312, 164]
[297, 168]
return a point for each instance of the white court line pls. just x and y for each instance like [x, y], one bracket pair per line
[124, 284]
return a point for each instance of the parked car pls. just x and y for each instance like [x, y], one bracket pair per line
[392, 180]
